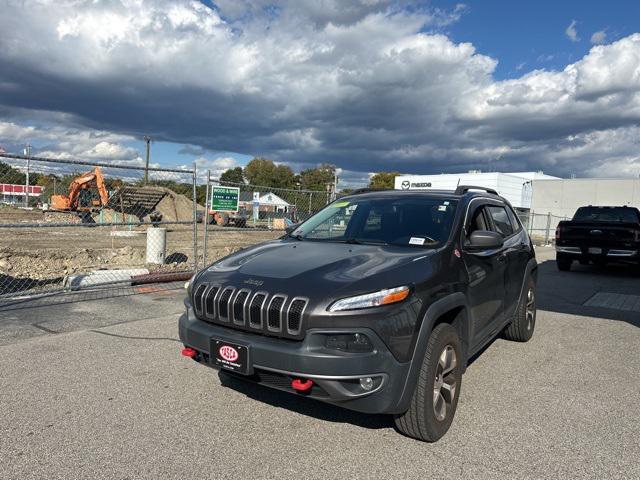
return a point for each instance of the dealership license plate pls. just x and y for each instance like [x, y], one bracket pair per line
[230, 356]
[595, 250]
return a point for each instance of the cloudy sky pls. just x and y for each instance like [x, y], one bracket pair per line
[369, 85]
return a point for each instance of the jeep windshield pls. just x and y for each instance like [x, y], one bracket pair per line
[408, 221]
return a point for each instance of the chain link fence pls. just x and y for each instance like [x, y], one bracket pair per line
[73, 225]
[263, 214]
[541, 226]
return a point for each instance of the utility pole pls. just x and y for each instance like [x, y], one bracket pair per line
[147, 139]
[335, 182]
[27, 152]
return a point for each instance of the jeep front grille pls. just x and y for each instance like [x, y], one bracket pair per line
[223, 304]
[197, 298]
[294, 314]
[244, 309]
[274, 313]
[239, 306]
[209, 302]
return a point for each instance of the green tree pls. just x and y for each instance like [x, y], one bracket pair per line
[317, 178]
[9, 174]
[382, 180]
[263, 172]
[232, 175]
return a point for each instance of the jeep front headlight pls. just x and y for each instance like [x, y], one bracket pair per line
[368, 300]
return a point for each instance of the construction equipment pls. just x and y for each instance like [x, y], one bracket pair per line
[80, 198]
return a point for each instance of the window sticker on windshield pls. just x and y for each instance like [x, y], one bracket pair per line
[340, 204]
[442, 208]
[445, 203]
[416, 241]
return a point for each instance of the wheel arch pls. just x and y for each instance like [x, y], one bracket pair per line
[452, 309]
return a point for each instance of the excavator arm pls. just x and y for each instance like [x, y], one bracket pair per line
[89, 179]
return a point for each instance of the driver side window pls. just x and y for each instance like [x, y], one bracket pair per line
[478, 221]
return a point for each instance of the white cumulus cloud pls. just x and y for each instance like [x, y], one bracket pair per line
[364, 84]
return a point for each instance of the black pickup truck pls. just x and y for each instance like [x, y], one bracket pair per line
[599, 235]
[375, 303]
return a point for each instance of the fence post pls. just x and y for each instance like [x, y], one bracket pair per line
[205, 220]
[532, 218]
[546, 233]
[195, 220]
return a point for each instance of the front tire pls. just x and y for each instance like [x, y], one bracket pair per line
[524, 321]
[435, 397]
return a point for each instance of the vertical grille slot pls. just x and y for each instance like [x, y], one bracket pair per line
[223, 304]
[209, 302]
[197, 298]
[238, 306]
[294, 315]
[255, 309]
[274, 313]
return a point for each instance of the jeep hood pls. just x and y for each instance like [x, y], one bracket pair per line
[291, 263]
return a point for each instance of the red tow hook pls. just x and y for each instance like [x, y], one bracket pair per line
[302, 385]
[189, 352]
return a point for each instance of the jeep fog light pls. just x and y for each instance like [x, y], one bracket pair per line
[368, 300]
[350, 342]
[366, 383]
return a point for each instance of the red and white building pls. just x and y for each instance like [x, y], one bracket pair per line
[14, 194]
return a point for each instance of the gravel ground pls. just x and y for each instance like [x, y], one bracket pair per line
[88, 394]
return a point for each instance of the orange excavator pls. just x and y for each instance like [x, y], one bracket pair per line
[80, 198]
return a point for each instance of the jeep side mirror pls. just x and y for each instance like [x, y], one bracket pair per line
[485, 240]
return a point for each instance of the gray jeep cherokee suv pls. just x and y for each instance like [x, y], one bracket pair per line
[375, 303]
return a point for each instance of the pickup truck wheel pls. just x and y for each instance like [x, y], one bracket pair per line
[435, 397]
[524, 320]
[564, 265]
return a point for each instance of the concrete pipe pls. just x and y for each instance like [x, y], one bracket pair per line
[156, 245]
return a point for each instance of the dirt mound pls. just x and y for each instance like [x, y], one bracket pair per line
[62, 217]
[176, 208]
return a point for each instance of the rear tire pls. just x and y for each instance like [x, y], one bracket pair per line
[524, 321]
[435, 396]
[564, 264]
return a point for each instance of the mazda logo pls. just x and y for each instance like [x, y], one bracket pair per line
[406, 185]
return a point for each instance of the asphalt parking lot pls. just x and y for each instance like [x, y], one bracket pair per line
[98, 389]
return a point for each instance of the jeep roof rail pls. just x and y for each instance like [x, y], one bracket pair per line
[462, 189]
[367, 190]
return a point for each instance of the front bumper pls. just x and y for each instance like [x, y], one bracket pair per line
[275, 362]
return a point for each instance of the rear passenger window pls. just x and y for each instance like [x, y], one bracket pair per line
[501, 220]
[514, 220]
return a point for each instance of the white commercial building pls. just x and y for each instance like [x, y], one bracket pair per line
[563, 197]
[515, 186]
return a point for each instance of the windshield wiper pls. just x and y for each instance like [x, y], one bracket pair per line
[357, 241]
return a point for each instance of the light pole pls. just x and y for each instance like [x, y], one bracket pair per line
[27, 152]
[147, 139]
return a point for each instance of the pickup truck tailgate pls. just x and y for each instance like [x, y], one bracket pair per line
[607, 235]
